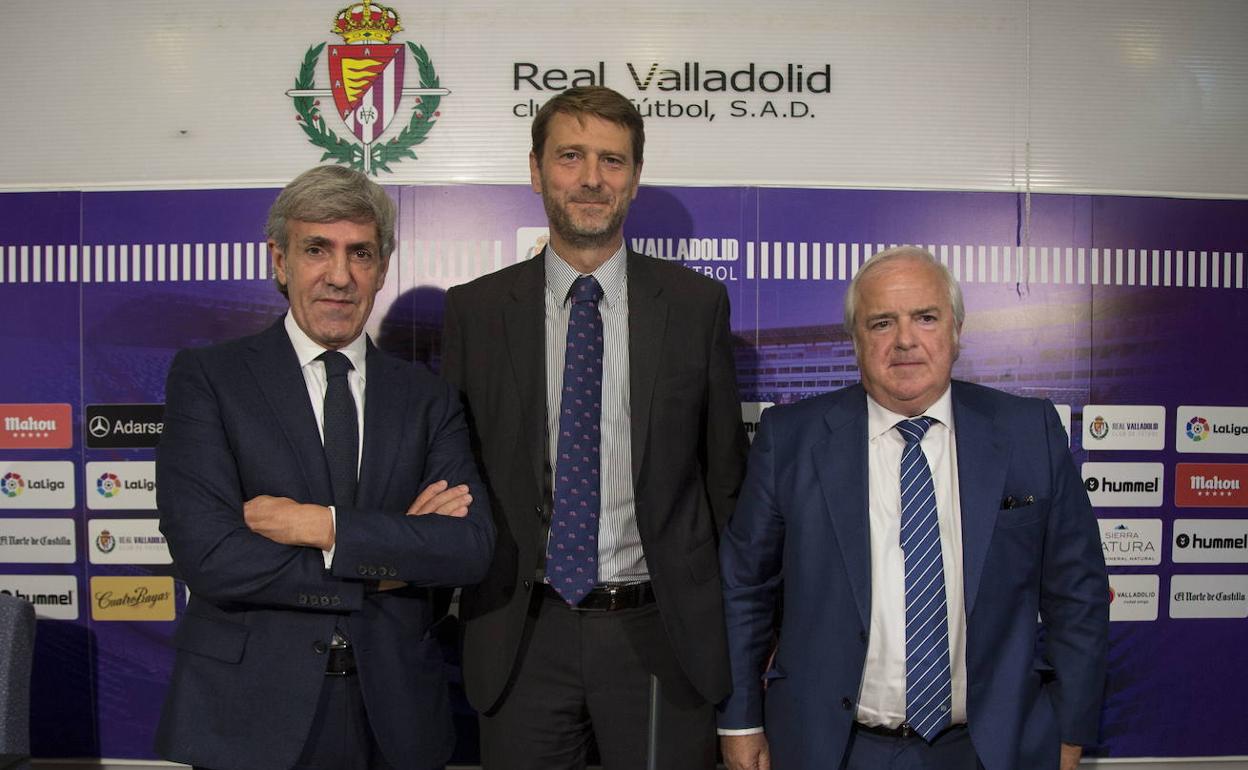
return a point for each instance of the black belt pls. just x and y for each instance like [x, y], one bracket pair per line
[904, 731]
[341, 660]
[605, 598]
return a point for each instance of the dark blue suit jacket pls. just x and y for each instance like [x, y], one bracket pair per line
[801, 523]
[250, 646]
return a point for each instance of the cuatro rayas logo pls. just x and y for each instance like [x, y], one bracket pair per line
[366, 77]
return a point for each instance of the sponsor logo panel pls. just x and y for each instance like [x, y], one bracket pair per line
[1117, 485]
[1209, 596]
[1210, 541]
[55, 596]
[1211, 429]
[127, 541]
[1124, 427]
[1134, 542]
[752, 415]
[36, 426]
[123, 426]
[1211, 485]
[121, 486]
[1133, 597]
[37, 484]
[37, 541]
[132, 598]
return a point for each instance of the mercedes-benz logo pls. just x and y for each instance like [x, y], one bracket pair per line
[99, 426]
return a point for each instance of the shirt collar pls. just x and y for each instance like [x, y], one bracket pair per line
[306, 350]
[880, 420]
[612, 276]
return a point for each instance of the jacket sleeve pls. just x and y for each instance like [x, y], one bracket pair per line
[750, 556]
[1074, 596]
[200, 499]
[428, 550]
[726, 446]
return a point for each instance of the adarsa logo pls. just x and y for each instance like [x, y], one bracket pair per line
[128, 598]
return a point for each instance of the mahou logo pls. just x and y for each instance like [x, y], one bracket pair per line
[36, 426]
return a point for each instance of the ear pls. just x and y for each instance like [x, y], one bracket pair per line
[279, 262]
[535, 173]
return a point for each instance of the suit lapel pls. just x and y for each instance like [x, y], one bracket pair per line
[840, 461]
[983, 456]
[647, 325]
[272, 362]
[524, 329]
[385, 400]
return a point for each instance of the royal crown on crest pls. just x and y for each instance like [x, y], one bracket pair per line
[366, 23]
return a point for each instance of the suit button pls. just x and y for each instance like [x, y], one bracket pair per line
[392, 572]
[303, 598]
[527, 584]
[319, 648]
[335, 601]
[847, 704]
[372, 571]
[538, 510]
[324, 601]
[361, 570]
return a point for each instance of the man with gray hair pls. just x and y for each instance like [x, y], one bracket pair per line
[313, 491]
[919, 526]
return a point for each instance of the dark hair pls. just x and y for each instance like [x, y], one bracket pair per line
[598, 101]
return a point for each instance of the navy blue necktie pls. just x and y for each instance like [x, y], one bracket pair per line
[929, 692]
[572, 549]
[340, 424]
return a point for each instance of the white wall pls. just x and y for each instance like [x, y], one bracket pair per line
[1139, 96]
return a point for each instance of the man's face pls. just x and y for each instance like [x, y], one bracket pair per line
[587, 177]
[905, 335]
[332, 272]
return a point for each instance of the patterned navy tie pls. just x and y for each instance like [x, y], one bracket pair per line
[929, 694]
[572, 549]
[341, 426]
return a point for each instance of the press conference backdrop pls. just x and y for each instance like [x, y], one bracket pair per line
[138, 188]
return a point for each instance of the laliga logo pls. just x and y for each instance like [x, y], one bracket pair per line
[12, 485]
[108, 485]
[366, 82]
[1198, 429]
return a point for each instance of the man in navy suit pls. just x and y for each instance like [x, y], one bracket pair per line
[313, 490]
[910, 530]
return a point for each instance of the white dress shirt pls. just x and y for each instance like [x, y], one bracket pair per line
[356, 351]
[620, 555]
[882, 698]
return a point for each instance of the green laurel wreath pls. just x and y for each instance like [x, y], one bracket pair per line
[383, 153]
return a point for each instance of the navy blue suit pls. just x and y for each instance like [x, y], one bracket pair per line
[802, 523]
[251, 645]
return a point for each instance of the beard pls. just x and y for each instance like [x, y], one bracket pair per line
[585, 231]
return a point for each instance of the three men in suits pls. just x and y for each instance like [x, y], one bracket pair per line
[913, 528]
[602, 397]
[312, 491]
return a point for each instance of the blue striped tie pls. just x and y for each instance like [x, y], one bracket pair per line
[929, 694]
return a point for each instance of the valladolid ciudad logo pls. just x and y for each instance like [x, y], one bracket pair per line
[366, 84]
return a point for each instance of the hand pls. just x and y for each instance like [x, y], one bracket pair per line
[285, 521]
[442, 499]
[1070, 756]
[745, 752]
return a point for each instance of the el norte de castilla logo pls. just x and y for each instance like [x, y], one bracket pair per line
[366, 83]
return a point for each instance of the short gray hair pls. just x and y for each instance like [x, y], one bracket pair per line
[894, 254]
[331, 194]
